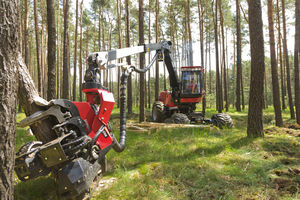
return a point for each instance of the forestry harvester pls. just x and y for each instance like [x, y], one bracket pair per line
[75, 147]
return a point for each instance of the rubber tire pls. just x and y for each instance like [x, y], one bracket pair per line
[180, 118]
[222, 120]
[158, 111]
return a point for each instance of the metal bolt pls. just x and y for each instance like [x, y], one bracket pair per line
[59, 159]
[78, 181]
[66, 188]
[54, 148]
[46, 158]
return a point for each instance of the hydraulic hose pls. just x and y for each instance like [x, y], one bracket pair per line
[120, 146]
[148, 66]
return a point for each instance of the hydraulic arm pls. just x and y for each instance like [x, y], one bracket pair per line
[163, 49]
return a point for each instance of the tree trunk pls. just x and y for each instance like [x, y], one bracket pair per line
[26, 53]
[200, 14]
[9, 60]
[224, 59]
[80, 53]
[288, 79]
[75, 53]
[128, 59]
[99, 29]
[296, 60]
[209, 59]
[233, 71]
[37, 42]
[142, 62]
[218, 82]
[239, 57]
[156, 40]
[149, 41]
[51, 50]
[120, 46]
[190, 45]
[255, 122]
[58, 53]
[275, 84]
[283, 90]
[65, 86]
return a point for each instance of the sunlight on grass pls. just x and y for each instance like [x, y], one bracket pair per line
[195, 163]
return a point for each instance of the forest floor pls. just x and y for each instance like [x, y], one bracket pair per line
[193, 163]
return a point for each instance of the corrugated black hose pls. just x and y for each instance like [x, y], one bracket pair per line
[120, 146]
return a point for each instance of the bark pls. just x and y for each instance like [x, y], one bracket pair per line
[142, 62]
[218, 82]
[233, 70]
[128, 59]
[200, 14]
[266, 91]
[190, 44]
[75, 53]
[209, 59]
[296, 60]
[37, 42]
[80, 53]
[120, 46]
[65, 86]
[283, 89]
[149, 41]
[239, 58]
[51, 50]
[224, 59]
[255, 122]
[275, 83]
[58, 74]
[156, 40]
[99, 29]
[9, 55]
[287, 65]
[26, 53]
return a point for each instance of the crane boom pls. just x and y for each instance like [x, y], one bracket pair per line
[101, 59]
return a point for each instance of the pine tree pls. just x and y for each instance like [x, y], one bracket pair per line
[51, 92]
[255, 122]
[275, 84]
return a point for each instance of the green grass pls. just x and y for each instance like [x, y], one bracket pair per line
[195, 163]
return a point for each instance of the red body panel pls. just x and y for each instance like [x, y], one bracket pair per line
[101, 117]
[191, 100]
[166, 98]
[86, 113]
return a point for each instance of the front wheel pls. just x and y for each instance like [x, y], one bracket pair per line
[180, 118]
[222, 120]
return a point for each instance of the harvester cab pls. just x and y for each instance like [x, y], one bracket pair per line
[192, 83]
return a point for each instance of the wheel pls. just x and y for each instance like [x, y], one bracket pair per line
[169, 121]
[180, 118]
[222, 120]
[158, 111]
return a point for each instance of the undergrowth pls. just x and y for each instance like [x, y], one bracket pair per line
[194, 163]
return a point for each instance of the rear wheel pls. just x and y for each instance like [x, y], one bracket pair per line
[180, 118]
[158, 112]
[222, 120]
